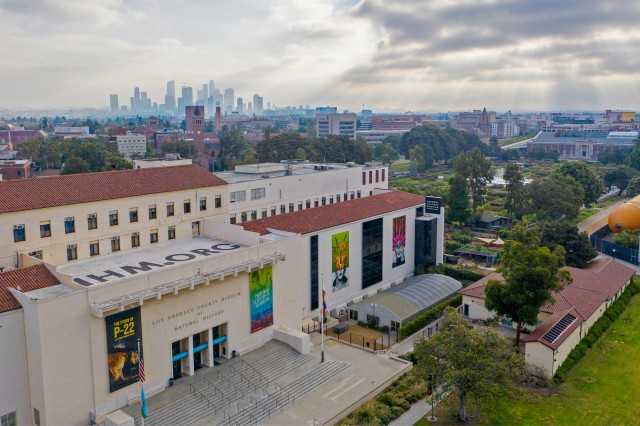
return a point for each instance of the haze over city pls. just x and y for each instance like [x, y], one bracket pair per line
[404, 55]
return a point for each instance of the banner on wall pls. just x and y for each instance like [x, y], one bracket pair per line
[124, 332]
[340, 261]
[399, 240]
[261, 296]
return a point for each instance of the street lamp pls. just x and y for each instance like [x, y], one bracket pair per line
[613, 256]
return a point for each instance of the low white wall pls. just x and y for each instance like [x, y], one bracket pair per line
[296, 339]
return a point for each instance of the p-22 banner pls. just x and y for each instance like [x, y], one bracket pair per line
[124, 331]
[261, 295]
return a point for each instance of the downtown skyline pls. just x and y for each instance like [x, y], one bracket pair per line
[441, 55]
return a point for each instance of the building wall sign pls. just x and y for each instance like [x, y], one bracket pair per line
[433, 204]
[126, 271]
[340, 261]
[124, 336]
[261, 296]
[399, 240]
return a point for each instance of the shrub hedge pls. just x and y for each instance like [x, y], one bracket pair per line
[600, 326]
[429, 316]
[458, 274]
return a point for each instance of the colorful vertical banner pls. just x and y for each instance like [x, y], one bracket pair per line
[399, 240]
[261, 296]
[340, 260]
[124, 332]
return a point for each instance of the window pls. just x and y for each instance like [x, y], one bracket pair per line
[243, 217]
[258, 193]
[218, 201]
[72, 252]
[113, 218]
[370, 176]
[172, 233]
[135, 240]
[359, 193]
[395, 326]
[324, 201]
[254, 214]
[153, 213]
[383, 174]
[18, 233]
[36, 417]
[94, 248]
[331, 200]
[69, 225]
[316, 202]
[273, 211]
[232, 219]
[364, 178]
[338, 198]
[170, 211]
[308, 204]
[45, 229]
[237, 196]
[346, 196]
[92, 221]
[283, 209]
[299, 205]
[9, 419]
[371, 252]
[353, 315]
[263, 213]
[203, 204]
[133, 215]
[36, 254]
[291, 207]
[115, 244]
[186, 206]
[153, 236]
[377, 176]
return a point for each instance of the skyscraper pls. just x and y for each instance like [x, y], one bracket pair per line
[170, 97]
[258, 108]
[113, 102]
[229, 100]
[240, 106]
[187, 95]
[136, 100]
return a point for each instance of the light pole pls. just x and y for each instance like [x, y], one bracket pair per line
[432, 388]
[613, 256]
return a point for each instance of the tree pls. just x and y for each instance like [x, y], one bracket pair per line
[476, 168]
[587, 177]
[470, 363]
[416, 157]
[74, 165]
[554, 197]
[385, 153]
[494, 146]
[633, 188]
[578, 249]
[458, 200]
[619, 176]
[185, 148]
[531, 275]
[515, 190]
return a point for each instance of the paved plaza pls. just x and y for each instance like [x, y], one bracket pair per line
[275, 385]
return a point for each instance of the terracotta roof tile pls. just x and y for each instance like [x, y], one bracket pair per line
[26, 279]
[331, 215]
[29, 194]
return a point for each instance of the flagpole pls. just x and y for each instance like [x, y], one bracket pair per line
[141, 385]
[324, 308]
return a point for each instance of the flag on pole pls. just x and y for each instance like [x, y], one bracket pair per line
[324, 302]
[141, 370]
[144, 411]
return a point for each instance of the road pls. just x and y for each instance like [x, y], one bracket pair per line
[595, 222]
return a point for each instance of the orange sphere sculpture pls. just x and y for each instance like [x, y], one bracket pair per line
[625, 217]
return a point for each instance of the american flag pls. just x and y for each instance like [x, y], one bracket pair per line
[141, 370]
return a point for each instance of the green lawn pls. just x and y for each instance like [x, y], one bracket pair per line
[400, 166]
[590, 211]
[602, 389]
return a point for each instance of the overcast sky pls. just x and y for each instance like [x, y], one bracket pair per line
[396, 54]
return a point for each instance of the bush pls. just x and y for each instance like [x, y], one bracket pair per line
[458, 274]
[429, 316]
[597, 330]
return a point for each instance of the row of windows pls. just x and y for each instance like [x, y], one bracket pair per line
[291, 207]
[364, 176]
[94, 246]
[19, 231]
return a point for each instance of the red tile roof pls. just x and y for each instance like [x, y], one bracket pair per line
[331, 215]
[591, 287]
[29, 194]
[26, 279]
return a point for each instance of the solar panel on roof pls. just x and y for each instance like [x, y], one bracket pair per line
[555, 332]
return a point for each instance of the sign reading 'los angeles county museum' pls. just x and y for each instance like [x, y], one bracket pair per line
[136, 262]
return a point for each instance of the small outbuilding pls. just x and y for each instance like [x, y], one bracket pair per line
[493, 221]
[399, 304]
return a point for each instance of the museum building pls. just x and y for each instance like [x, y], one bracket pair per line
[73, 333]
